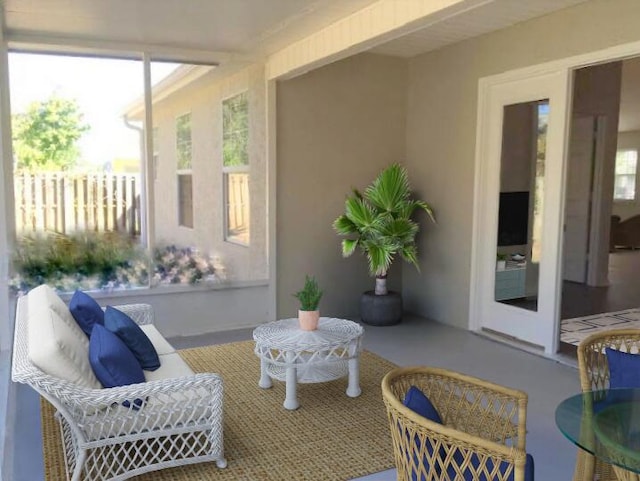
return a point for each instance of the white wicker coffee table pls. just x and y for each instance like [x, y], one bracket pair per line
[289, 354]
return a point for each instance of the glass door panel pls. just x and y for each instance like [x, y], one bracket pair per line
[521, 201]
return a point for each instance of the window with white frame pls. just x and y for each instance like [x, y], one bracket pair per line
[625, 175]
[235, 167]
[185, 180]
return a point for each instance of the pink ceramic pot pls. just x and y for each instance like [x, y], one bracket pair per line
[308, 320]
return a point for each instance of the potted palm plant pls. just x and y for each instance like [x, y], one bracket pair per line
[379, 222]
[309, 297]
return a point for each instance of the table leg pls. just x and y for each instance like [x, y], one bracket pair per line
[291, 400]
[265, 379]
[353, 389]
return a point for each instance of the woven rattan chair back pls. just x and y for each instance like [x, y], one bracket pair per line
[594, 375]
[484, 427]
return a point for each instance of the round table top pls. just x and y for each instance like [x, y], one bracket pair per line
[605, 423]
[286, 334]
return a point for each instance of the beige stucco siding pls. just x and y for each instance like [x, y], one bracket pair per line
[441, 130]
[337, 127]
[203, 99]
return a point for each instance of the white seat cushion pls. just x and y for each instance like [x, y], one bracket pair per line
[171, 366]
[159, 342]
[57, 345]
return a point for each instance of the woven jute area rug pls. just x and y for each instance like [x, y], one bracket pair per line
[330, 437]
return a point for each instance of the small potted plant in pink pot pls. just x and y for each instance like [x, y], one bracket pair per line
[309, 297]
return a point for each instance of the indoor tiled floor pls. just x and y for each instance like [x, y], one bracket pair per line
[586, 309]
[622, 293]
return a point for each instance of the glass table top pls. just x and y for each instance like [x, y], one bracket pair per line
[605, 423]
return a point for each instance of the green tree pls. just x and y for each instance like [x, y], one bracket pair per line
[45, 136]
[235, 131]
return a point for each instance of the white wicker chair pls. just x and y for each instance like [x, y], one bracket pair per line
[179, 423]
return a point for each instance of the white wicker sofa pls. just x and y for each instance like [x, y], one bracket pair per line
[179, 422]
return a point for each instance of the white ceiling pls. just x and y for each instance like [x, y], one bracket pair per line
[484, 18]
[257, 28]
[235, 26]
[251, 27]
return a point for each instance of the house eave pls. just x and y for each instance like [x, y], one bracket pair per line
[181, 77]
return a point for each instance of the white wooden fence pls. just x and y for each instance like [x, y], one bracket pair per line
[64, 202]
[238, 206]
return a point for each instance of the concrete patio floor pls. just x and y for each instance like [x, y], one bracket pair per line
[416, 341]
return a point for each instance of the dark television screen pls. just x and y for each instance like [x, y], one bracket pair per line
[513, 218]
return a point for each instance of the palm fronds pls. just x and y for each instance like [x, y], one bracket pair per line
[379, 221]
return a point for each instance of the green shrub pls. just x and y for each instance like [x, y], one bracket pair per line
[86, 260]
[92, 261]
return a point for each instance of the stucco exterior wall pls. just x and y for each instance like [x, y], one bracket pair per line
[441, 129]
[337, 127]
[203, 99]
[191, 312]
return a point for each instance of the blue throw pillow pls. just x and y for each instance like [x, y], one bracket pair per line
[86, 311]
[419, 403]
[111, 360]
[624, 369]
[135, 339]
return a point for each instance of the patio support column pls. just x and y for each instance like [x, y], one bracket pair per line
[147, 227]
[7, 239]
[7, 223]
[270, 114]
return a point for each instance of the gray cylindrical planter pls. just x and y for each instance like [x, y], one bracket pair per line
[381, 310]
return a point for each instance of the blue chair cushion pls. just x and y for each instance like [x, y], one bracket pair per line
[419, 403]
[111, 360]
[86, 311]
[624, 369]
[135, 339]
[475, 462]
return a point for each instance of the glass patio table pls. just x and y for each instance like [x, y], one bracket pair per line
[606, 424]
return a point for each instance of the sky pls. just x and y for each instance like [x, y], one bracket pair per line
[103, 88]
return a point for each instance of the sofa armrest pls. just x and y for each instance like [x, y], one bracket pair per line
[142, 314]
[150, 406]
